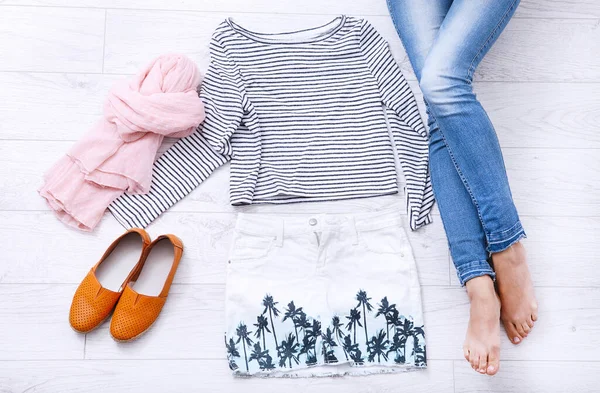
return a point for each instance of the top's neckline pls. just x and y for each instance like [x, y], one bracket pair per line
[304, 36]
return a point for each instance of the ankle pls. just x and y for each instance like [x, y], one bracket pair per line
[513, 255]
[481, 288]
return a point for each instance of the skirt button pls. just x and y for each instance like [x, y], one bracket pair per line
[312, 221]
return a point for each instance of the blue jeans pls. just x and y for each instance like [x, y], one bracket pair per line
[445, 41]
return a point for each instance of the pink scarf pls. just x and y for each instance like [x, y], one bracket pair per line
[117, 154]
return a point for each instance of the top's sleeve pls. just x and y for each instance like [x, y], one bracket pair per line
[192, 159]
[407, 128]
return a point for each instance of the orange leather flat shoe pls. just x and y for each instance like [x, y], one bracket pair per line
[101, 288]
[144, 297]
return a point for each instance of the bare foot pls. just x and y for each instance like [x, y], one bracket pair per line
[515, 288]
[482, 344]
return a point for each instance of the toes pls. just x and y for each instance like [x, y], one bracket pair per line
[493, 361]
[466, 353]
[520, 330]
[526, 327]
[474, 360]
[512, 333]
[482, 367]
[530, 323]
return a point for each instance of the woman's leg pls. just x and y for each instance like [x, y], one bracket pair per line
[417, 23]
[466, 34]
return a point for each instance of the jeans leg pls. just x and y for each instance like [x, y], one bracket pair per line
[464, 231]
[466, 34]
[417, 24]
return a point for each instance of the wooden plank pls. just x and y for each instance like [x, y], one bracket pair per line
[198, 376]
[584, 9]
[543, 114]
[63, 107]
[66, 105]
[532, 377]
[51, 39]
[575, 9]
[545, 182]
[560, 50]
[156, 33]
[310, 7]
[529, 50]
[34, 321]
[556, 242]
[191, 326]
[554, 182]
[207, 238]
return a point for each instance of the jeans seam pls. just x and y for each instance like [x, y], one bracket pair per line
[471, 69]
[463, 178]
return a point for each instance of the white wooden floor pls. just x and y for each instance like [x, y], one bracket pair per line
[540, 85]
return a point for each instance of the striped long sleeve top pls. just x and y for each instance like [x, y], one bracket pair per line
[301, 117]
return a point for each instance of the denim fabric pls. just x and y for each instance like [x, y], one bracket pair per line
[445, 41]
[323, 295]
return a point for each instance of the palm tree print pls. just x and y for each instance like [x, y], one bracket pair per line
[419, 353]
[392, 319]
[262, 325]
[314, 332]
[243, 336]
[353, 320]
[419, 331]
[328, 344]
[405, 330]
[308, 344]
[232, 352]
[302, 321]
[270, 305]
[288, 350]
[378, 346]
[257, 353]
[291, 312]
[363, 300]
[310, 338]
[352, 349]
[337, 332]
[264, 360]
[398, 343]
[387, 310]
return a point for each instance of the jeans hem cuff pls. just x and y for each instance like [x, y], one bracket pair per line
[501, 246]
[507, 239]
[474, 269]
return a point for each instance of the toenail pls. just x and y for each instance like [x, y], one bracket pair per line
[516, 339]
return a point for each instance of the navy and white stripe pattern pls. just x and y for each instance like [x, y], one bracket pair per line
[300, 117]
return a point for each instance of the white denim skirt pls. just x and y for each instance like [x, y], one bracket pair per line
[323, 295]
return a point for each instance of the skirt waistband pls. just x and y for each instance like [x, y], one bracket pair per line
[275, 225]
